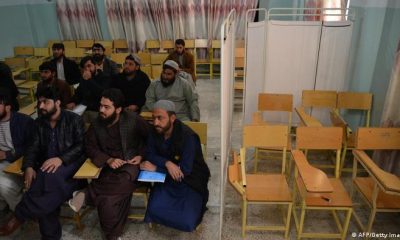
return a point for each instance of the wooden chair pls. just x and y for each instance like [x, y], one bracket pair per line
[355, 102]
[120, 45]
[147, 70]
[145, 58]
[156, 71]
[272, 102]
[85, 43]
[69, 44]
[322, 138]
[41, 52]
[152, 46]
[75, 53]
[108, 45]
[23, 51]
[318, 103]
[190, 45]
[29, 109]
[380, 190]
[215, 56]
[119, 58]
[167, 45]
[271, 189]
[306, 119]
[315, 191]
[201, 129]
[15, 168]
[202, 57]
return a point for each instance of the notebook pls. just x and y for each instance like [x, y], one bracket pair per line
[147, 176]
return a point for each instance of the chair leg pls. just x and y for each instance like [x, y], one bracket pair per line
[77, 220]
[371, 220]
[289, 214]
[346, 223]
[301, 225]
[244, 217]
[343, 159]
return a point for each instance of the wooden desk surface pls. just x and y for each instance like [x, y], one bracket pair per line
[314, 179]
[147, 115]
[30, 109]
[306, 119]
[87, 171]
[17, 71]
[14, 168]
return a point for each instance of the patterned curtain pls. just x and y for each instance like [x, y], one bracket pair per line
[77, 19]
[138, 20]
[323, 4]
[390, 160]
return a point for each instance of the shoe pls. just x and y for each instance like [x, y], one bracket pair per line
[77, 201]
[10, 227]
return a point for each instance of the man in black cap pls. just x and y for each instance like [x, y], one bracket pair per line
[108, 66]
[48, 78]
[67, 70]
[133, 83]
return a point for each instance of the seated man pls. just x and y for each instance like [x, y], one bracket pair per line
[53, 156]
[67, 69]
[184, 58]
[106, 65]
[15, 129]
[173, 148]
[176, 89]
[48, 79]
[115, 142]
[133, 83]
[92, 84]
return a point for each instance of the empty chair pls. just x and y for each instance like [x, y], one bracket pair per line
[380, 189]
[318, 103]
[201, 129]
[202, 58]
[262, 188]
[152, 46]
[120, 45]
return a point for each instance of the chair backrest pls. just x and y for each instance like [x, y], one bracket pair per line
[152, 44]
[158, 58]
[147, 70]
[156, 71]
[319, 98]
[355, 101]
[200, 128]
[51, 42]
[120, 44]
[13, 62]
[167, 44]
[323, 138]
[41, 52]
[189, 43]
[74, 52]
[378, 138]
[86, 43]
[119, 58]
[69, 44]
[265, 136]
[23, 51]
[275, 102]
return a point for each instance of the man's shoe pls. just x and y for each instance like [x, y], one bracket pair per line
[77, 201]
[10, 227]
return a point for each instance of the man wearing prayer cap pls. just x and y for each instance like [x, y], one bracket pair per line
[174, 148]
[179, 90]
[184, 58]
[133, 83]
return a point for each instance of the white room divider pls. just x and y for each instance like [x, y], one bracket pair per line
[227, 94]
[295, 56]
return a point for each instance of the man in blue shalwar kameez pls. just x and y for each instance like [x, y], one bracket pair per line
[173, 148]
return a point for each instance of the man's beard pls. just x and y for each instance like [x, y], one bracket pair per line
[98, 59]
[162, 130]
[166, 83]
[108, 120]
[47, 114]
[129, 73]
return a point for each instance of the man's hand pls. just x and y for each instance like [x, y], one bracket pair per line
[115, 163]
[51, 165]
[148, 166]
[29, 175]
[174, 171]
[86, 75]
[132, 108]
[2, 155]
[70, 106]
[135, 161]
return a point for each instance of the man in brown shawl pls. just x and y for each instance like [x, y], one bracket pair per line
[115, 142]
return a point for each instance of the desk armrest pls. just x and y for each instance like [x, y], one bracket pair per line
[87, 171]
[15, 168]
[306, 119]
[315, 181]
[388, 181]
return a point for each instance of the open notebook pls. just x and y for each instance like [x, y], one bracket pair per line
[147, 176]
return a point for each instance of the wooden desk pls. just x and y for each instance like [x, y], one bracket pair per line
[87, 171]
[14, 168]
[30, 86]
[307, 120]
[148, 116]
[19, 70]
[30, 109]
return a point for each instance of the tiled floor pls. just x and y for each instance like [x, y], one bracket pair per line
[209, 91]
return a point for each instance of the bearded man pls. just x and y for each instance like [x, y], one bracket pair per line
[133, 83]
[92, 84]
[51, 159]
[48, 79]
[180, 91]
[67, 69]
[106, 65]
[175, 149]
[115, 142]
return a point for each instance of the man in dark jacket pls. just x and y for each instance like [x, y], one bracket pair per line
[93, 83]
[106, 65]
[173, 148]
[67, 69]
[115, 142]
[15, 129]
[53, 156]
[184, 58]
[133, 83]
[7, 82]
